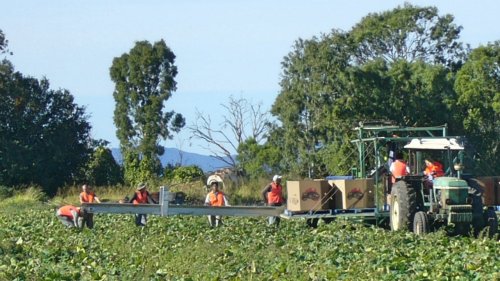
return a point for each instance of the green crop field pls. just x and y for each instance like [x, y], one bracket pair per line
[34, 245]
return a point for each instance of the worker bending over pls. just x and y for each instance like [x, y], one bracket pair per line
[215, 198]
[70, 216]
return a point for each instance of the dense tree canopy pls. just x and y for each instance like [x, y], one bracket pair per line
[44, 135]
[408, 33]
[258, 160]
[398, 65]
[478, 105]
[144, 80]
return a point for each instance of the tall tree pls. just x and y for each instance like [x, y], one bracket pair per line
[313, 79]
[44, 135]
[395, 65]
[408, 33]
[478, 106]
[144, 80]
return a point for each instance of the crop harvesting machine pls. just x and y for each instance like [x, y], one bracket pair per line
[454, 201]
[415, 203]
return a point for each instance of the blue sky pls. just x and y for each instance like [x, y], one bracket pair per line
[223, 48]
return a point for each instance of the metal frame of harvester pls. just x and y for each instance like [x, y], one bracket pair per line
[371, 140]
[166, 208]
[372, 144]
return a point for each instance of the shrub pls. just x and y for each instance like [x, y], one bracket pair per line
[184, 174]
[5, 192]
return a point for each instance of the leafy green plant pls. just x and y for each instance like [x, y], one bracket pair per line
[35, 246]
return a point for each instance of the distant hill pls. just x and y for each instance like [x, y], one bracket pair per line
[173, 156]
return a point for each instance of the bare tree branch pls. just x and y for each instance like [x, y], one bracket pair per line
[241, 121]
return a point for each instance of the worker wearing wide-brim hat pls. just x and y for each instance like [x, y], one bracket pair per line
[142, 196]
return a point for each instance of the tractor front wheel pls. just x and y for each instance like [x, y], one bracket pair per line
[421, 223]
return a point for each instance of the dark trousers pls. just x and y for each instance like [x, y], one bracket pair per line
[88, 220]
[141, 219]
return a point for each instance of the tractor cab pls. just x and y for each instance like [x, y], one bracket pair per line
[447, 151]
[422, 203]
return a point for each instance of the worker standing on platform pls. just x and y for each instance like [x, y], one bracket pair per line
[88, 196]
[142, 196]
[399, 168]
[70, 216]
[215, 198]
[273, 195]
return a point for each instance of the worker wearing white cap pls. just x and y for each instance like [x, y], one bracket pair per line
[273, 195]
[215, 198]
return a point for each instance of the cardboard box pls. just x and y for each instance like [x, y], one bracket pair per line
[491, 188]
[353, 194]
[307, 195]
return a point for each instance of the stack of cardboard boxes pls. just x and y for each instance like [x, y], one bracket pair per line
[354, 194]
[315, 195]
[308, 195]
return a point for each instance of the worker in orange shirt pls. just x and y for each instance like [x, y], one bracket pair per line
[399, 168]
[142, 196]
[273, 195]
[88, 196]
[70, 216]
[215, 198]
[433, 169]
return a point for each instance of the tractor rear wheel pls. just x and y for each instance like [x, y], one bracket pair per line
[421, 223]
[403, 206]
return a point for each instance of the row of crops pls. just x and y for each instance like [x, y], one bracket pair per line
[35, 246]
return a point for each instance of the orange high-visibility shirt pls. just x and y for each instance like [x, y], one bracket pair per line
[275, 195]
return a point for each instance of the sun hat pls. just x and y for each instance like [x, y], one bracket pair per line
[141, 186]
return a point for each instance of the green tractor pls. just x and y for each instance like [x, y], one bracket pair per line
[421, 205]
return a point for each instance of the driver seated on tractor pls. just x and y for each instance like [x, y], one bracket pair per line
[399, 168]
[433, 169]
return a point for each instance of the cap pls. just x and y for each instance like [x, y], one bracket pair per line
[276, 177]
[141, 186]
